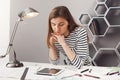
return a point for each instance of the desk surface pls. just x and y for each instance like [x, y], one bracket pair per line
[17, 73]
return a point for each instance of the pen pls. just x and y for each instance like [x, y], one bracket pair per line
[84, 70]
[113, 73]
[24, 73]
[90, 70]
[92, 76]
[65, 62]
[119, 73]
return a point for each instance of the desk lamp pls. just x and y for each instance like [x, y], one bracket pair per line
[27, 13]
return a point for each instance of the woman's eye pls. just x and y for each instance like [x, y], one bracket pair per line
[61, 24]
[53, 24]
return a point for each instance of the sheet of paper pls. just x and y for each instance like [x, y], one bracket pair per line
[13, 73]
[96, 71]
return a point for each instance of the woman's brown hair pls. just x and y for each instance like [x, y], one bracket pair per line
[60, 11]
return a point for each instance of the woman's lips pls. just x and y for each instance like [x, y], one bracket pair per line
[57, 33]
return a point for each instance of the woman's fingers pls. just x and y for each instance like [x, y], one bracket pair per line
[53, 35]
[54, 38]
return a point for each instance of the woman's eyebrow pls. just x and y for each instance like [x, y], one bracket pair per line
[58, 23]
[52, 23]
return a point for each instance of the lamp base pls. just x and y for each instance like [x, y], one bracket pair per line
[13, 64]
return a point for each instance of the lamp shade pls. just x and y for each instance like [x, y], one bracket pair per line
[28, 13]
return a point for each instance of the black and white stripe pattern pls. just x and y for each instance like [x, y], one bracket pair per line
[77, 41]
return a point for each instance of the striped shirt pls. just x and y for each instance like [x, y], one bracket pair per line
[77, 41]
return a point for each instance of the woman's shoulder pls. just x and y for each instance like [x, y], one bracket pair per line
[80, 29]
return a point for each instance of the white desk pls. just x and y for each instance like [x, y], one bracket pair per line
[16, 73]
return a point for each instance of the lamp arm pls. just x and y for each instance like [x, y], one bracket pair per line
[14, 30]
[12, 38]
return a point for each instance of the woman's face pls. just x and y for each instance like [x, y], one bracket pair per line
[59, 26]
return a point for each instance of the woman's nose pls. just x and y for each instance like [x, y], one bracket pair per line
[57, 29]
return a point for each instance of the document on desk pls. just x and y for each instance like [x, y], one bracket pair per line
[32, 75]
[101, 72]
[13, 73]
[97, 73]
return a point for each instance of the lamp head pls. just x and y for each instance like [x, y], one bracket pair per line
[28, 13]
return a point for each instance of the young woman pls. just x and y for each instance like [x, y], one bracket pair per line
[67, 38]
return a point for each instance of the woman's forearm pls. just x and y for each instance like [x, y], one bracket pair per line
[53, 54]
[71, 55]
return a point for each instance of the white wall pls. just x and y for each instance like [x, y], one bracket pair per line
[4, 25]
[30, 39]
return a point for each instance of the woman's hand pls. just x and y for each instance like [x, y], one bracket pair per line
[60, 39]
[53, 39]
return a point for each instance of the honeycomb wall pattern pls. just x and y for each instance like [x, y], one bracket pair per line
[105, 28]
